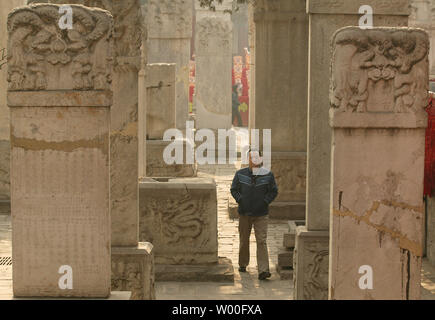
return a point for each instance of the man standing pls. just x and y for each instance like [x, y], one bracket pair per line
[254, 188]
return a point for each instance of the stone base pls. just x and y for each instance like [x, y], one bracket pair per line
[284, 273]
[223, 271]
[133, 270]
[114, 295]
[311, 264]
[5, 207]
[285, 258]
[156, 166]
[277, 210]
[287, 210]
[179, 217]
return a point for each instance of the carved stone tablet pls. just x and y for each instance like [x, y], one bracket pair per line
[378, 95]
[60, 98]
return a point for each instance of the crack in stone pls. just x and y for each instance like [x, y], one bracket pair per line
[404, 243]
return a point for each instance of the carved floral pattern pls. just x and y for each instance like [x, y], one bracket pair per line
[376, 63]
[36, 41]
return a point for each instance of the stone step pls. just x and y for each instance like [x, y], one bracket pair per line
[284, 273]
[285, 258]
[223, 271]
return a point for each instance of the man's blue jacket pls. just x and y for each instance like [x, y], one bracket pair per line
[254, 193]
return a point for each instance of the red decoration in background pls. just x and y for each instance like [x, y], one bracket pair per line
[429, 160]
[239, 75]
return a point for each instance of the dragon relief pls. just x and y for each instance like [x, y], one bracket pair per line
[178, 220]
[380, 65]
[36, 41]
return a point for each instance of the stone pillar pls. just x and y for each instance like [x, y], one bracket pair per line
[60, 126]
[281, 77]
[251, 77]
[378, 144]
[160, 92]
[169, 25]
[213, 56]
[422, 16]
[5, 8]
[124, 185]
[325, 17]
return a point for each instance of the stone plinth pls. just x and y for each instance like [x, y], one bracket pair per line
[157, 167]
[213, 58]
[131, 272]
[179, 216]
[310, 264]
[169, 25]
[378, 148]
[5, 8]
[160, 95]
[60, 128]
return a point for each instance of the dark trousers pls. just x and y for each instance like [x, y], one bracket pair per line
[260, 227]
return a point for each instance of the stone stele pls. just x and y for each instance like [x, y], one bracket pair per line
[169, 24]
[60, 98]
[5, 8]
[378, 93]
[124, 163]
[213, 72]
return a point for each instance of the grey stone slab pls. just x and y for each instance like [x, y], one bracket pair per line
[223, 271]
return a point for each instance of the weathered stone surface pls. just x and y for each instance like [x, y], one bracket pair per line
[289, 240]
[290, 174]
[430, 228]
[133, 270]
[124, 190]
[281, 72]
[380, 7]
[326, 17]
[278, 210]
[157, 167]
[179, 216]
[223, 271]
[287, 210]
[310, 264]
[160, 95]
[284, 273]
[423, 16]
[169, 24]
[285, 258]
[5, 8]
[377, 206]
[60, 216]
[213, 71]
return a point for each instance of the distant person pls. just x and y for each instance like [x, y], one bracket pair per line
[236, 104]
[254, 188]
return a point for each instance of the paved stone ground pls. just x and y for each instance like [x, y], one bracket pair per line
[246, 286]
